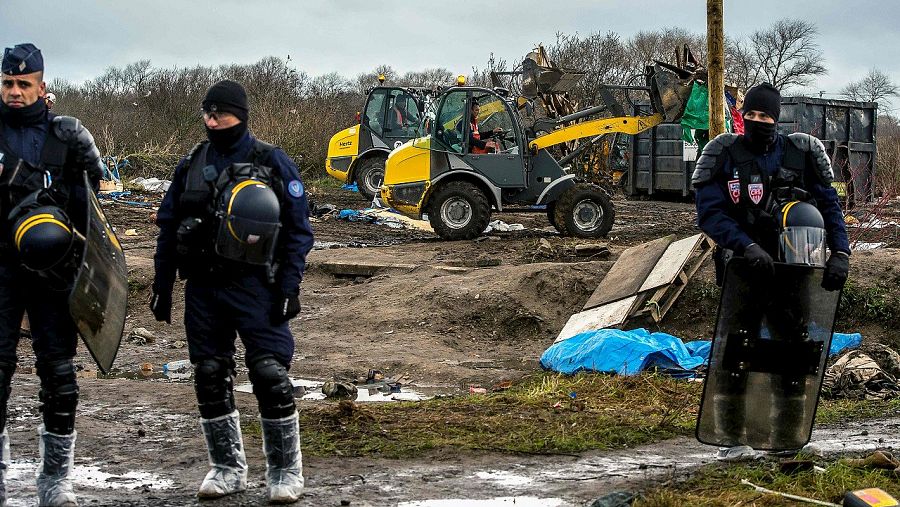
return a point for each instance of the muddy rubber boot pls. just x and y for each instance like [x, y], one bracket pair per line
[284, 462]
[729, 411]
[4, 464]
[54, 487]
[226, 457]
[787, 417]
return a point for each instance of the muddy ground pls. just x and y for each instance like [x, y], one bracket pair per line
[483, 322]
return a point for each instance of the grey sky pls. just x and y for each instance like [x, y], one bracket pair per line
[81, 38]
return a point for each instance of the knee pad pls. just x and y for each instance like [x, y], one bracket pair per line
[214, 383]
[59, 395]
[6, 373]
[272, 387]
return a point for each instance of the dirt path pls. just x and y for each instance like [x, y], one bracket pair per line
[139, 444]
[139, 441]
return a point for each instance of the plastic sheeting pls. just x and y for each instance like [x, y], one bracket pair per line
[630, 352]
[624, 353]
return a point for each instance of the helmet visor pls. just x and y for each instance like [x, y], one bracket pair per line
[803, 245]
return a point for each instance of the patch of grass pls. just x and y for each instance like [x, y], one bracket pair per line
[837, 411]
[720, 485]
[544, 414]
[136, 285]
[879, 303]
[314, 182]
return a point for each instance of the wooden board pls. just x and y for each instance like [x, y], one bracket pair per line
[627, 275]
[665, 296]
[671, 263]
[609, 315]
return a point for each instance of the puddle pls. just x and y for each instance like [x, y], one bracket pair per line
[20, 481]
[511, 501]
[306, 389]
[504, 478]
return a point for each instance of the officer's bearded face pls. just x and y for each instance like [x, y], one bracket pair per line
[22, 91]
[754, 115]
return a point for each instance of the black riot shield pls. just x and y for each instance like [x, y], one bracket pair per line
[768, 357]
[98, 299]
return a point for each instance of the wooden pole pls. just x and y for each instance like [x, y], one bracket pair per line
[715, 50]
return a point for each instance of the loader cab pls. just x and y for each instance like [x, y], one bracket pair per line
[502, 162]
[391, 116]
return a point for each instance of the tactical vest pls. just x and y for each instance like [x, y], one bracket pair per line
[19, 179]
[755, 194]
[198, 202]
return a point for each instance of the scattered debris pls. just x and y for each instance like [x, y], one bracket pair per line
[477, 390]
[178, 344]
[798, 498]
[338, 389]
[141, 336]
[155, 185]
[857, 376]
[861, 246]
[598, 250]
[131, 232]
[614, 499]
[501, 226]
[545, 248]
[881, 460]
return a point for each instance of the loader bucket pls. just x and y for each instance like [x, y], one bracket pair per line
[539, 79]
[670, 88]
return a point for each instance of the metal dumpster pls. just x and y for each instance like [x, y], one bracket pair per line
[659, 162]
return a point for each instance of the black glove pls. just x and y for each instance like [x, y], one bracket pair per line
[287, 306]
[759, 259]
[161, 306]
[836, 270]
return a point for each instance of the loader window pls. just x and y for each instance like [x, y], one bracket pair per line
[402, 115]
[494, 114]
[450, 126]
[375, 112]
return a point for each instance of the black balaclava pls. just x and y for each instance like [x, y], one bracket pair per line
[227, 97]
[760, 135]
[24, 116]
[224, 139]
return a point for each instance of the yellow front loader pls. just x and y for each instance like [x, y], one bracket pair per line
[438, 175]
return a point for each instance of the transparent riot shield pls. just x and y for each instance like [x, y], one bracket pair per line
[768, 357]
[98, 299]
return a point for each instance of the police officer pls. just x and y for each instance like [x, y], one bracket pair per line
[738, 178]
[751, 190]
[42, 158]
[235, 225]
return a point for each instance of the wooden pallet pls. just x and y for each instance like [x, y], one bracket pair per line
[665, 295]
[645, 281]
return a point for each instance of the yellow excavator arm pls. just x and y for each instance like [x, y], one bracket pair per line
[622, 124]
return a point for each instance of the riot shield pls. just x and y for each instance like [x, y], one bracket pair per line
[768, 357]
[98, 299]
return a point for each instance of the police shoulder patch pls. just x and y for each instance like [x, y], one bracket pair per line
[295, 188]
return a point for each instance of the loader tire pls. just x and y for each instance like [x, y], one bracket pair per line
[551, 216]
[458, 210]
[584, 211]
[370, 176]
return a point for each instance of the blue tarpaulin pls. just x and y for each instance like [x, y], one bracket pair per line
[350, 186]
[630, 352]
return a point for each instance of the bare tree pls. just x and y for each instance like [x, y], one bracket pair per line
[787, 54]
[874, 87]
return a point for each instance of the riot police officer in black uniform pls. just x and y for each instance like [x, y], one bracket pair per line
[739, 177]
[43, 158]
[753, 191]
[235, 225]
